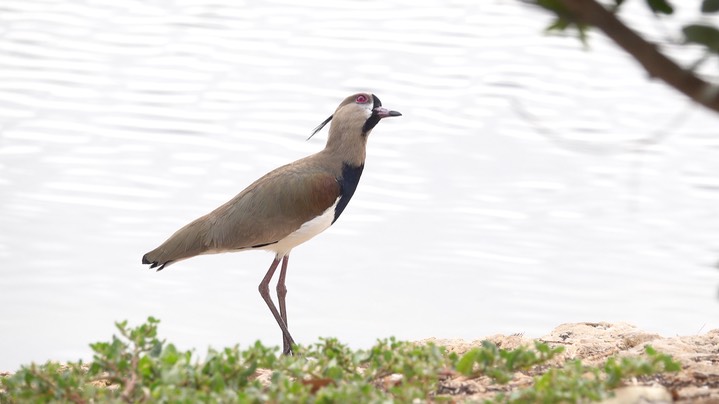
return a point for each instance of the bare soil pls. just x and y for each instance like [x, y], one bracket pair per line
[593, 343]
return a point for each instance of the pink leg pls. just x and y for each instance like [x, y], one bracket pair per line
[265, 293]
[281, 294]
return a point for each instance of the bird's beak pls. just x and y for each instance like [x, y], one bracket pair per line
[383, 112]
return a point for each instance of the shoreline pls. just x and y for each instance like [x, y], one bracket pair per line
[593, 343]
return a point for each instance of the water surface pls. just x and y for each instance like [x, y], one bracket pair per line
[517, 192]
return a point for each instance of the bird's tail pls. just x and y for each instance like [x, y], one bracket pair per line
[185, 243]
[152, 258]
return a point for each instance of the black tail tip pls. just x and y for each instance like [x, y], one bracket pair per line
[154, 264]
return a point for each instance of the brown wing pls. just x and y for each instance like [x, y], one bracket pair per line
[265, 212]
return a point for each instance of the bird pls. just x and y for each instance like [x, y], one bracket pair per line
[287, 206]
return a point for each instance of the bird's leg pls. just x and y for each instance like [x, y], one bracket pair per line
[265, 293]
[281, 294]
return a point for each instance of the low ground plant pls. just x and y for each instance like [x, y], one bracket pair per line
[137, 366]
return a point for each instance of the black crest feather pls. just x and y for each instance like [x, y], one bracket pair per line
[320, 126]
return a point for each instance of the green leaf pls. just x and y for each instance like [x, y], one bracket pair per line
[466, 362]
[560, 24]
[555, 6]
[660, 6]
[144, 366]
[334, 373]
[710, 6]
[703, 35]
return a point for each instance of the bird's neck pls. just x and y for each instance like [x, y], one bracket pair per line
[348, 152]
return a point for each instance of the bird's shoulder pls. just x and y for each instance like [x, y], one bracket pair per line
[304, 182]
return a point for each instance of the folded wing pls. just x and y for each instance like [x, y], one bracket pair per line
[264, 213]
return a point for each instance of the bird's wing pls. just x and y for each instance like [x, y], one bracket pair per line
[272, 208]
[265, 212]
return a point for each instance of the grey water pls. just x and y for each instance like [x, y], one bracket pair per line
[530, 182]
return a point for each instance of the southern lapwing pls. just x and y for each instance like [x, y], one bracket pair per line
[287, 206]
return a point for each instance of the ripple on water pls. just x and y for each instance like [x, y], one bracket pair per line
[121, 121]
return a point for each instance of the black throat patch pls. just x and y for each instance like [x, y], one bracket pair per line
[373, 120]
[348, 184]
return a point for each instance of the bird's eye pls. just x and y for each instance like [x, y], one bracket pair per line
[361, 99]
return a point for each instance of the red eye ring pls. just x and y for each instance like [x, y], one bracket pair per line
[361, 99]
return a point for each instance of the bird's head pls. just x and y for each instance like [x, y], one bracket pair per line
[356, 115]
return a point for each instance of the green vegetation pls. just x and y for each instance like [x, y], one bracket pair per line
[136, 366]
[701, 33]
[696, 80]
[575, 382]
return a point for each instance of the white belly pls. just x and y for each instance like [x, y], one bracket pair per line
[305, 232]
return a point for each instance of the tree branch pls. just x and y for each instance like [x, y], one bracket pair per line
[592, 13]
